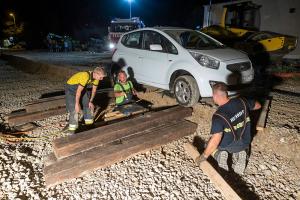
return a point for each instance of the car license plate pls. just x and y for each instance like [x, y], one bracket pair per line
[247, 78]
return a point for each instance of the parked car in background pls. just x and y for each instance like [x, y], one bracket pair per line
[183, 61]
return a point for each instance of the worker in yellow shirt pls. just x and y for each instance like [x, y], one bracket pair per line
[77, 95]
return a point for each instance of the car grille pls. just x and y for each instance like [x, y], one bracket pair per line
[239, 67]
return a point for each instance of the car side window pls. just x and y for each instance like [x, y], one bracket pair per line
[170, 48]
[133, 40]
[124, 39]
[152, 37]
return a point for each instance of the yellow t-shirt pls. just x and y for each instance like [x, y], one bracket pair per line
[83, 79]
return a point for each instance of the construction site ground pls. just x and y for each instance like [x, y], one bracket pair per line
[273, 171]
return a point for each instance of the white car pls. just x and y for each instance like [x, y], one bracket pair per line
[183, 61]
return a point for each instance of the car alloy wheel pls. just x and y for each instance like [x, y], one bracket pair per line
[182, 92]
[186, 90]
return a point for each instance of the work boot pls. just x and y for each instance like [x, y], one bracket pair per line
[239, 160]
[221, 157]
[67, 130]
[88, 121]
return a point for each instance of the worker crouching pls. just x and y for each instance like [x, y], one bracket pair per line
[230, 130]
[77, 95]
[123, 89]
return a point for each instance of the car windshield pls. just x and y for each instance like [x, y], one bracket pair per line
[190, 39]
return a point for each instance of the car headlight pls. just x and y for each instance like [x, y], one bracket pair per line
[111, 45]
[206, 61]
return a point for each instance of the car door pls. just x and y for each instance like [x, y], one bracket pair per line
[155, 63]
[132, 54]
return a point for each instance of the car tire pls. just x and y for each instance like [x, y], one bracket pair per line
[186, 90]
[115, 68]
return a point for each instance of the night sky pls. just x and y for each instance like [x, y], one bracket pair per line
[68, 16]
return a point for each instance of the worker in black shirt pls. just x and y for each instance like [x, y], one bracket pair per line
[231, 129]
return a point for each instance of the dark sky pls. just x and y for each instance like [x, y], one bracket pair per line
[66, 16]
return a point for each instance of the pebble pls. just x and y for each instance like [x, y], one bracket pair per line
[263, 167]
[154, 175]
[274, 168]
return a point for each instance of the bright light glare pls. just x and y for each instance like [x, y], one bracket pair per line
[111, 45]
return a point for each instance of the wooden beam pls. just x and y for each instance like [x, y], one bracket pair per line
[118, 115]
[25, 127]
[43, 108]
[227, 192]
[23, 117]
[58, 101]
[83, 141]
[103, 156]
[261, 123]
[46, 105]
[42, 100]
[50, 159]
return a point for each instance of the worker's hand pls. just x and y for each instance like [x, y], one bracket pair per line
[77, 108]
[91, 106]
[200, 159]
[134, 92]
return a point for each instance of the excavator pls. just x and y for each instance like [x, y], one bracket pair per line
[238, 27]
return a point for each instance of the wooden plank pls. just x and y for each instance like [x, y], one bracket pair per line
[59, 101]
[118, 115]
[227, 192]
[42, 100]
[261, 123]
[74, 144]
[103, 156]
[112, 114]
[25, 127]
[45, 105]
[23, 117]
[50, 159]
[121, 115]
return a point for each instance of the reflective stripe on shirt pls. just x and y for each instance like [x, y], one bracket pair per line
[239, 125]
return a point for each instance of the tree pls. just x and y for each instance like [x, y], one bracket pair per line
[11, 29]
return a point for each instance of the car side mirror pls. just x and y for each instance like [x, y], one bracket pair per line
[155, 47]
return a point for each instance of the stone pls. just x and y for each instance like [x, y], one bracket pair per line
[263, 167]
[274, 168]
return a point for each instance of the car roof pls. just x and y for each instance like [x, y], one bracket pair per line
[163, 28]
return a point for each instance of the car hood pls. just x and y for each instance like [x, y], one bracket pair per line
[223, 54]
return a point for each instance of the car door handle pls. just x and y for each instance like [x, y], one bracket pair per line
[140, 57]
[170, 60]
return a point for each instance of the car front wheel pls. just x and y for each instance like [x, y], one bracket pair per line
[186, 90]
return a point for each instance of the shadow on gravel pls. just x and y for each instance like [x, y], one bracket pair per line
[243, 189]
[294, 94]
[53, 94]
[260, 90]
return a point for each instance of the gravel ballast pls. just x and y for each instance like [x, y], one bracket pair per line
[163, 173]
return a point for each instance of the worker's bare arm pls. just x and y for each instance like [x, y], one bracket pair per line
[94, 89]
[213, 144]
